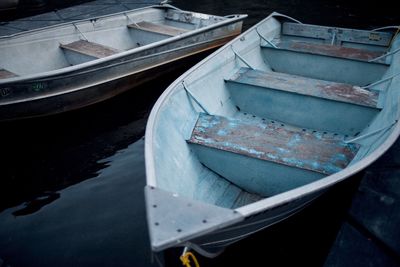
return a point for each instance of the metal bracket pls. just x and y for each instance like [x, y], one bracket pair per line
[370, 133]
[194, 98]
[380, 81]
[242, 59]
[173, 220]
[265, 39]
[81, 33]
[385, 55]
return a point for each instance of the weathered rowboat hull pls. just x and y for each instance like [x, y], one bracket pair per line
[265, 125]
[93, 80]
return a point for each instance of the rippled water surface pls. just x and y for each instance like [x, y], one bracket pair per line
[71, 186]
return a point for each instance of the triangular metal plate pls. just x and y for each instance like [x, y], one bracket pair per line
[173, 219]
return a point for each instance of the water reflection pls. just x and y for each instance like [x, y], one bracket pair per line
[49, 154]
[37, 203]
[100, 221]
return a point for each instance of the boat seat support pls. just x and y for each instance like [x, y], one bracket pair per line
[265, 39]
[242, 59]
[80, 32]
[194, 98]
[385, 55]
[380, 81]
[366, 135]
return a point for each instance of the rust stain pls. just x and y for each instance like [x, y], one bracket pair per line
[315, 151]
[351, 93]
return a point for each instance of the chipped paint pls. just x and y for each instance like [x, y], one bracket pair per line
[295, 147]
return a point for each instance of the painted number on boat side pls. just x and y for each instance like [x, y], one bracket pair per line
[37, 87]
[374, 36]
[5, 91]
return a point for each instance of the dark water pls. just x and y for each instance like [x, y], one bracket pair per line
[71, 186]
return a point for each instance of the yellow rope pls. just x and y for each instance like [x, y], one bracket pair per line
[186, 261]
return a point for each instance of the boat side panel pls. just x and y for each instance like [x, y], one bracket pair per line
[32, 57]
[384, 123]
[193, 180]
[223, 237]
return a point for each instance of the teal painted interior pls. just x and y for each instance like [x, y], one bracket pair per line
[219, 177]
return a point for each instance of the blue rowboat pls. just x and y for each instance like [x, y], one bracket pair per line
[72, 65]
[265, 125]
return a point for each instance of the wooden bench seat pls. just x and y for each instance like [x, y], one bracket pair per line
[272, 142]
[307, 86]
[157, 28]
[289, 155]
[5, 74]
[330, 50]
[90, 49]
[294, 99]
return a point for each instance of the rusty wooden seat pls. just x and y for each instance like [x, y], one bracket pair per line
[157, 28]
[271, 141]
[307, 86]
[267, 157]
[330, 50]
[90, 49]
[4, 74]
[290, 98]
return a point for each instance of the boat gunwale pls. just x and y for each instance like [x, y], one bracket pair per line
[276, 200]
[229, 19]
